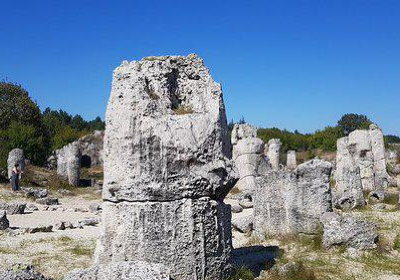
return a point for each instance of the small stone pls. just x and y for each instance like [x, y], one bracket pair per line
[38, 229]
[47, 201]
[59, 226]
[94, 207]
[243, 223]
[31, 208]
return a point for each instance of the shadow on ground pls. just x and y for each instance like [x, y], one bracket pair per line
[256, 258]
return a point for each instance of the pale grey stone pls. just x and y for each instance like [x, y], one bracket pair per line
[274, 149]
[47, 201]
[185, 235]
[236, 208]
[348, 231]
[31, 208]
[168, 167]
[242, 131]
[126, 270]
[16, 156]
[69, 163]
[243, 223]
[291, 161]
[292, 202]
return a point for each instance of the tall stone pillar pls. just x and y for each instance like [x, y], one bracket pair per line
[274, 149]
[291, 161]
[15, 156]
[167, 169]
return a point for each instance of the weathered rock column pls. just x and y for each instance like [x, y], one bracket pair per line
[378, 149]
[291, 161]
[69, 163]
[349, 189]
[16, 156]
[167, 169]
[248, 156]
[274, 149]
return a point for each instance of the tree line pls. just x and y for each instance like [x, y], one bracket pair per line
[23, 125]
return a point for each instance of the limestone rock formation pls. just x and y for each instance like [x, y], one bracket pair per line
[348, 231]
[274, 150]
[91, 147]
[361, 157]
[167, 170]
[248, 156]
[134, 270]
[349, 189]
[242, 131]
[290, 202]
[291, 161]
[15, 156]
[69, 163]
[4, 223]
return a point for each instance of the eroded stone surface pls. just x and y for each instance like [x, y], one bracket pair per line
[137, 270]
[293, 202]
[291, 161]
[361, 158]
[274, 149]
[348, 231]
[69, 163]
[186, 235]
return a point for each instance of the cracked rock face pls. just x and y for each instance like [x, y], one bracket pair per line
[361, 164]
[167, 169]
[293, 202]
[248, 156]
[16, 156]
[69, 163]
[167, 135]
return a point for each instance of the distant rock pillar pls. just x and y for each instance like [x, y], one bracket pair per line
[291, 161]
[274, 149]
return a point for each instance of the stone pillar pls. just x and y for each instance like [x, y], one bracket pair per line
[248, 156]
[349, 189]
[167, 169]
[274, 149]
[378, 150]
[293, 202]
[16, 156]
[69, 163]
[291, 161]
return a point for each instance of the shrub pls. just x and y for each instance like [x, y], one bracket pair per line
[242, 273]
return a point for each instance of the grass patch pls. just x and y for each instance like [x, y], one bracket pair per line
[296, 271]
[242, 273]
[391, 198]
[81, 250]
[183, 110]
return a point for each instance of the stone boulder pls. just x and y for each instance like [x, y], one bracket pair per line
[291, 202]
[47, 201]
[274, 150]
[13, 208]
[348, 231]
[243, 222]
[242, 131]
[130, 270]
[167, 170]
[16, 156]
[4, 223]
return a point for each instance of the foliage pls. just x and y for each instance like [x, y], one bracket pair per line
[242, 273]
[392, 139]
[25, 137]
[290, 140]
[326, 139]
[24, 126]
[16, 105]
[350, 122]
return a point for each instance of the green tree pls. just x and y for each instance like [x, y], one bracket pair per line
[17, 106]
[65, 136]
[326, 139]
[25, 137]
[350, 122]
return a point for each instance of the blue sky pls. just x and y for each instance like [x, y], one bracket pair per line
[289, 64]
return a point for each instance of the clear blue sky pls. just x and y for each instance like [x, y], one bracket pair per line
[289, 64]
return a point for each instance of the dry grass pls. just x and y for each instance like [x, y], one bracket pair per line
[183, 110]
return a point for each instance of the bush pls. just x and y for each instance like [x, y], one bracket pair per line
[242, 273]
[350, 122]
